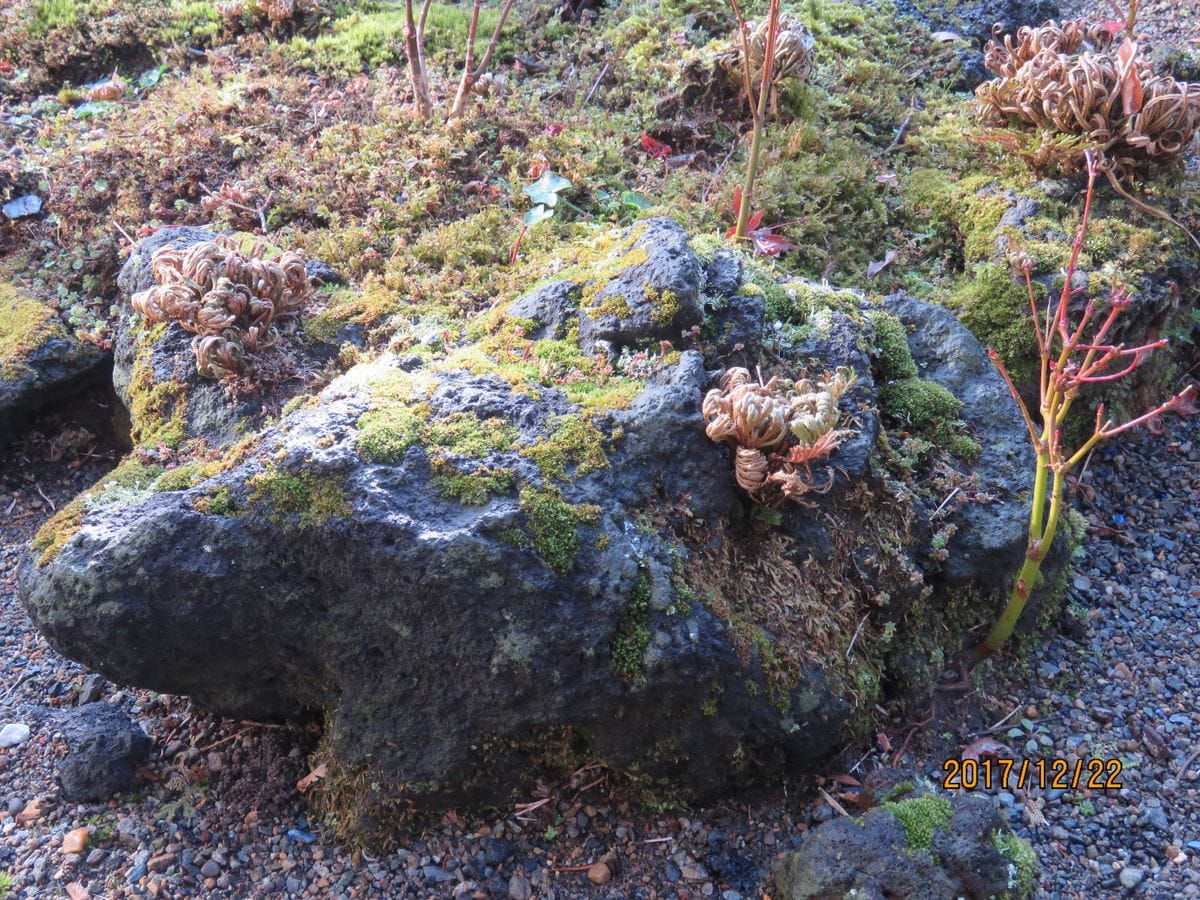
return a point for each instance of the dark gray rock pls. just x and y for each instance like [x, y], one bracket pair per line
[104, 747]
[56, 369]
[990, 536]
[92, 690]
[723, 274]
[653, 300]
[550, 306]
[872, 856]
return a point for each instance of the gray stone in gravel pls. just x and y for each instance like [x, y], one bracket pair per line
[436, 873]
[519, 888]
[92, 690]
[672, 871]
[497, 851]
[15, 805]
[13, 734]
[211, 869]
[1131, 877]
[96, 857]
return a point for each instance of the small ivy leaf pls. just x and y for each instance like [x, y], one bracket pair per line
[150, 77]
[545, 189]
[538, 214]
[637, 201]
[1027, 724]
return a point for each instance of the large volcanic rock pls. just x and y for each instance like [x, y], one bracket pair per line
[457, 567]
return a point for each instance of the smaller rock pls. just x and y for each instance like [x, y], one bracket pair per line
[161, 862]
[76, 840]
[599, 874]
[105, 745]
[498, 851]
[519, 888]
[23, 207]
[96, 857]
[1131, 877]
[13, 734]
[210, 869]
[92, 690]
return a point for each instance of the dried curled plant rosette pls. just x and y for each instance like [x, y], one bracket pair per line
[233, 300]
[1070, 82]
[777, 429]
[793, 53]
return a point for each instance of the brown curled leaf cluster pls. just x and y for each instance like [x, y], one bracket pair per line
[1070, 83]
[278, 12]
[777, 429]
[793, 52]
[233, 301]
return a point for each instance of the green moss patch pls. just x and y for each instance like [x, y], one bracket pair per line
[288, 498]
[25, 325]
[1020, 854]
[127, 483]
[920, 817]
[574, 442]
[553, 525]
[633, 633]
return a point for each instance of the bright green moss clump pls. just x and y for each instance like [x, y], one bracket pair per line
[893, 360]
[995, 307]
[553, 525]
[928, 408]
[921, 816]
[633, 633]
[384, 434]
[1023, 859]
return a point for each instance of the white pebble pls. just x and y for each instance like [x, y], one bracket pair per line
[12, 734]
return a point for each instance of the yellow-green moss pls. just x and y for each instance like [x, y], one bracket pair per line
[633, 633]
[385, 433]
[306, 499]
[220, 503]
[130, 475]
[362, 41]
[474, 486]
[465, 434]
[1023, 860]
[921, 816]
[25, 325]
[995, 307]
[574, 441]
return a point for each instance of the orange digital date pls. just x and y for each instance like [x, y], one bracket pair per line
[1045, 774]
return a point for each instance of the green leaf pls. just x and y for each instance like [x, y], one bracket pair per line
[637, 201]
[100, 185]
[538, 214]
[545, 189]
[1027, 725]
[150, 77]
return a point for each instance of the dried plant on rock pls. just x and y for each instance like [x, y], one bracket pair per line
[1073, 357]
[777, 429]
[233, 301]
[1069, 82]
